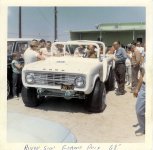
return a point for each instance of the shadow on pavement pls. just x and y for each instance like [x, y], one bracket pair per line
[61, 104]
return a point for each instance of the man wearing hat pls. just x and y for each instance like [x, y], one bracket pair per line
[31, 54]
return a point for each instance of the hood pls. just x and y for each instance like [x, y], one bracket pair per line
[64, 64]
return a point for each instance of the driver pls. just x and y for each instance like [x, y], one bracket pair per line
[91, 53]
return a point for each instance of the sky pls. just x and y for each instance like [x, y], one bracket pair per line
[38, 22]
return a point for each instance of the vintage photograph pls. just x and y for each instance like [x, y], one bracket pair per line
[76, 74]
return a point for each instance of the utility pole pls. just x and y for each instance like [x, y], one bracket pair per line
[55, 23]
[20, 20]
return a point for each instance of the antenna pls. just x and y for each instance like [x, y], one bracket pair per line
[55, 23]
[20, 20]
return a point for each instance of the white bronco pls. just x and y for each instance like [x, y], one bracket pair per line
[76, 69]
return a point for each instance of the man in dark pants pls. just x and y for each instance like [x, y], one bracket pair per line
[120, 68]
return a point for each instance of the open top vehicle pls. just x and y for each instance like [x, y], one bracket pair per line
[70, 73]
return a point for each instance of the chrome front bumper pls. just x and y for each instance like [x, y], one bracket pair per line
[67, 94]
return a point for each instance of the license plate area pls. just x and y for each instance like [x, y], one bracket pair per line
[67, 87]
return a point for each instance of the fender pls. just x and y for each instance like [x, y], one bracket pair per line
[109, 68]
[104, 70]
[107, 65]
[94, 81]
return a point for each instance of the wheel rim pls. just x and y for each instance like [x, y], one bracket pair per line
[8, 89]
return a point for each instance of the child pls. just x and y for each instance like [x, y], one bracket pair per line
[16, 76]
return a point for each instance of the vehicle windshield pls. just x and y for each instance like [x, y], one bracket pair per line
[77, 50]
[10, 46]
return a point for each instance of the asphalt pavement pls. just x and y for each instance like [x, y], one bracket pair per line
[113, 125]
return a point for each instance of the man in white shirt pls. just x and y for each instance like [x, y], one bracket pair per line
[31, 54]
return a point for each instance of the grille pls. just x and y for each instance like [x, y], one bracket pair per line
[54, 79]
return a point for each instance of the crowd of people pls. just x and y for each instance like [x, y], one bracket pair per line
[129, 69]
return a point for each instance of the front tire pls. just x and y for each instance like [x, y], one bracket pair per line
[29, 97]
[111, 81]
[96, 100]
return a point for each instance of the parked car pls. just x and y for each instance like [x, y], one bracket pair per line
[23, 128]
[69, 76]
[16, 45]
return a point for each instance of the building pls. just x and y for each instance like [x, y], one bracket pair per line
[109, 32]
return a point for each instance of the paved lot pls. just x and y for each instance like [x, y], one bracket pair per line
[113, 125]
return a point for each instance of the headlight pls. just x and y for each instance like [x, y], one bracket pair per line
[30, 78]
[80, 82]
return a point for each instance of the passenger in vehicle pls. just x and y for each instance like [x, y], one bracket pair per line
[91, 53]
[48, 46]
[79, 51]
[58, 50]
